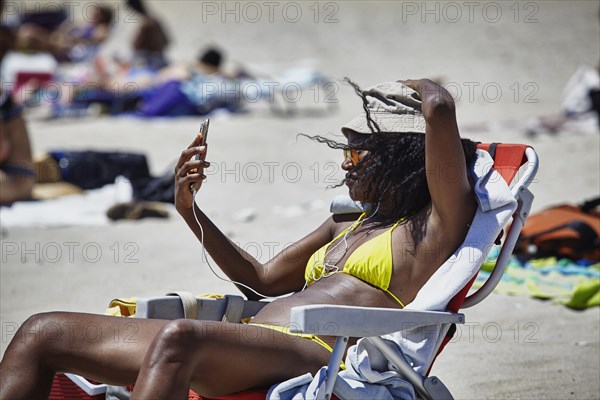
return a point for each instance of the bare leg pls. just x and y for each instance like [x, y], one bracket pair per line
[107, 349]
[217, 358]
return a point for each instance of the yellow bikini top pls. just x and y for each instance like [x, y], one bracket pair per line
[371, 262]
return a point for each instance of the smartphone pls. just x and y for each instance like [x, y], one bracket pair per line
[204, 132]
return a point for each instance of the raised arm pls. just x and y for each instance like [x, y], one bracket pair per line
[283, 274]
[451, 195]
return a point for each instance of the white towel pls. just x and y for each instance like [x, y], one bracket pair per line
[85, 209]
[496, 206]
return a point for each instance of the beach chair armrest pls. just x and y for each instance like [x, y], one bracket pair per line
[170, 307]
[333, 320]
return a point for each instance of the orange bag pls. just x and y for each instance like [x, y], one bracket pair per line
[563, 231]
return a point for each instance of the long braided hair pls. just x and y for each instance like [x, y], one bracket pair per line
[394, 166]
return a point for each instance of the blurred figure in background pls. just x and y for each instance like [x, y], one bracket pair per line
[192, 89]
[580, 108]
[68, 42]
[17, 174]
[150, 41]
[209, 62]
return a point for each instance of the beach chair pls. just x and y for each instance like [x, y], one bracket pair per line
[516, 164]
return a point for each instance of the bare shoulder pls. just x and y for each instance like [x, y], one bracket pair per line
[339, 222]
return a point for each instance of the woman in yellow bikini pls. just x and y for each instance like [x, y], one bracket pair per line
[404, 159]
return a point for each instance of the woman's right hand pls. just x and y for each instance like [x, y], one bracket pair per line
[189, 173]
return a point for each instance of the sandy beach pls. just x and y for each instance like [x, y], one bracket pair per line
[506, 62]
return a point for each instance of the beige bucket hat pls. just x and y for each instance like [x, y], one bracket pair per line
[393, 106]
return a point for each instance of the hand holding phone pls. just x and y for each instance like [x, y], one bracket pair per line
[189, 171]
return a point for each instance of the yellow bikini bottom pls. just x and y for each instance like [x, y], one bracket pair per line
[309, 336]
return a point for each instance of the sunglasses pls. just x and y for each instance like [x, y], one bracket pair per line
[355, 155]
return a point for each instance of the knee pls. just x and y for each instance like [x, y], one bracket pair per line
[38, 332]
[176, 341]
[179, 332]
[37, 324]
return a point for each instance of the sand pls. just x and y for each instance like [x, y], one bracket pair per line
[505, 66]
